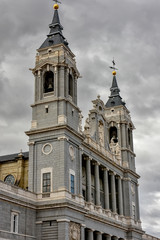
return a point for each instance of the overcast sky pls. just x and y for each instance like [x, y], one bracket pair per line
[97, 31]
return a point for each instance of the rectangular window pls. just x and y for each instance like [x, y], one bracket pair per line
[72, 184]
[46, 182]
[14, 222]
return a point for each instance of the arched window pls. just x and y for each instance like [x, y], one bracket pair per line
[9, 179]
[48, 82]
[113, 134]
[70, 85]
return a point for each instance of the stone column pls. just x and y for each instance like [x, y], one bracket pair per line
[75, 90]
[61, 81]
[67, 82]
[90, 234]
[124, 146]
[137, 204]
[97, 184]
[113, 192]
[106, 188]
[83, 232]
[56, 81]
[88, 179]
[124, 135]
[131, 137]
[119, 134]
[108, 237]
[39, 86]
[98, 236]
[114, 238]
[127, 137]
[120, 196]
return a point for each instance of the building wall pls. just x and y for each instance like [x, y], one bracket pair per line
[18, 168]
[15, 201]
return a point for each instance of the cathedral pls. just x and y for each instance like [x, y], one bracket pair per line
[73, 183]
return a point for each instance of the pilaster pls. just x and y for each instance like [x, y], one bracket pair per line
[127, 196]
[63, 229]
[31, 177]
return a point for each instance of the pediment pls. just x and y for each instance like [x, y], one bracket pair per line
[43, 65]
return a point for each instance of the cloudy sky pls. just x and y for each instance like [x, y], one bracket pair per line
[97, 31]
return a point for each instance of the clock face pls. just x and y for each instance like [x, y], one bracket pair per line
[9, 179]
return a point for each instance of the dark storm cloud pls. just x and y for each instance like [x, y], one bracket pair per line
[97, 31]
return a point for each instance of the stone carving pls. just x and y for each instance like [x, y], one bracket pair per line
[101, 133]
[80, 122]
[115, 148]
[74, 231]
[133, 189]
[72, 152]
[86, 126]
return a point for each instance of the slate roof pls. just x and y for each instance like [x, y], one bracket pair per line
[55, 36]
[114, 99]
[12, 157]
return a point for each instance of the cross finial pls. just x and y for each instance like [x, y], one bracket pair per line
[113, 62]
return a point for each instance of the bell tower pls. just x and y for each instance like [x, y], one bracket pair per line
[120, 128]
[55, 115]
[120, 125]
[55, 81]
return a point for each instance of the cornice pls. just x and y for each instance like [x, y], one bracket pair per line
[54, 128]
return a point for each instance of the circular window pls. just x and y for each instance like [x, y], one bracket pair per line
[47, 148]
[9, 179]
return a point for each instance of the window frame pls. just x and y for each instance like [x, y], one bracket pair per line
[14, 221]
[45, 171]
[46, 182]
[10, 175]
[72, 181]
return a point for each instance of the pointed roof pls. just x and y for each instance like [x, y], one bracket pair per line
[114, 99]
[55, 35]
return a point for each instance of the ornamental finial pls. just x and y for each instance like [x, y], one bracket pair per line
[113, 67]
[56, 6]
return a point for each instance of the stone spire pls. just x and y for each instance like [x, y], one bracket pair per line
[114, 99]
[55, 35]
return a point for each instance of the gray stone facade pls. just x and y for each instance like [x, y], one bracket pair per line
[82, 184]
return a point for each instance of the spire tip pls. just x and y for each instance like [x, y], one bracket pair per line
[56, 6]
